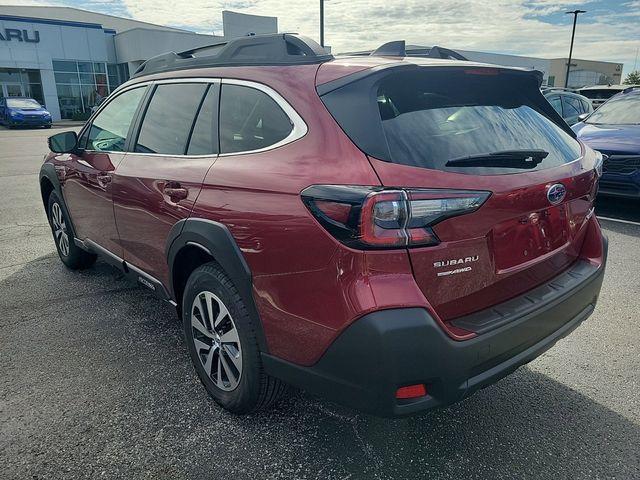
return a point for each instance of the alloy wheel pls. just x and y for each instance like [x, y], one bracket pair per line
[216, 341]
[60, 229]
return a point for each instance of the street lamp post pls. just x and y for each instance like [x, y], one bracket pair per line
[322, 22]
[575, 14]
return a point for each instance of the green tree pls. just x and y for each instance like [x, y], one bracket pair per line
[633, 78]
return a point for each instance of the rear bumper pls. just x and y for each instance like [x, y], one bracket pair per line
[385, 350]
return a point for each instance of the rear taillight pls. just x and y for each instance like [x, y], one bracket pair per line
[372, 217]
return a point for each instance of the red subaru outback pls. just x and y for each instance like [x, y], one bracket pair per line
[390, 232]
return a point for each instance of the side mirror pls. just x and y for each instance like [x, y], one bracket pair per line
[65, 142]
[582, 117]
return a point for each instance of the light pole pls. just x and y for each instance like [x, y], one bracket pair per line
[322, 23]
[575, 14]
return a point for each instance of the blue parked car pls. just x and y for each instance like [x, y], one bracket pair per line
[21, 111]
[614, 130]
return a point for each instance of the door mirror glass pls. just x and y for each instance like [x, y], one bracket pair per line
[64, 142]
[582, 117]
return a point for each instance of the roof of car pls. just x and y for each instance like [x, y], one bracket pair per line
[285, 49]
[606, 87]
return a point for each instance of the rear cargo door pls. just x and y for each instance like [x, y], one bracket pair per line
[490, 130]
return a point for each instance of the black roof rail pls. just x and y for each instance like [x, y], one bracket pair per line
[271, 49]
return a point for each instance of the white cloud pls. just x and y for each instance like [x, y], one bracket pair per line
[493, 25]
[509, 26]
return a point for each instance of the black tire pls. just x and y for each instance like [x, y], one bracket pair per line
[72, 256]
[47, 126]
[255, 389]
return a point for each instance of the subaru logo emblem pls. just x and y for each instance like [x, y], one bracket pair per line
[556, 193]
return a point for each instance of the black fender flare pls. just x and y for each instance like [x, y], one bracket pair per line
[48, 172]
[216, 240]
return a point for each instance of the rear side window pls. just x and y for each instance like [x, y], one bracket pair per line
[428, 117]
[170, 115]
[109, 129]
[204, 137]
[556, 104]
[572, 106]
[250, 120]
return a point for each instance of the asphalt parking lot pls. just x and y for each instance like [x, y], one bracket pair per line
[95, 382]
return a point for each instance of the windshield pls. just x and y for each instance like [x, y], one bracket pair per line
[22, 103]
[622, 110]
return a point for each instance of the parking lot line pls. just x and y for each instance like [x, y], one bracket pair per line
[629, 222]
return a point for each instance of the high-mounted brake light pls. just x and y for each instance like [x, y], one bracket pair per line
[372, 217]
[482, 71]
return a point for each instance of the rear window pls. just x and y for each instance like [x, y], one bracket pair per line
[428, 118]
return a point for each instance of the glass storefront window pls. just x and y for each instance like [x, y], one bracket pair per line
[85, 67]
[20, 81]
[84, 85]
[69, 99]
[87, 78]
[101, 78]
[35, 92]
[62, 77]
[64, 66]
[9, 75]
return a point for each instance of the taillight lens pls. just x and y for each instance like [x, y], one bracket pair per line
[372, 217]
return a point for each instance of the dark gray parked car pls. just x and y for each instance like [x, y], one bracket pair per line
[568, 104]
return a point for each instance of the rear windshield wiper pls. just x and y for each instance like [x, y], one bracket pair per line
[502, 158]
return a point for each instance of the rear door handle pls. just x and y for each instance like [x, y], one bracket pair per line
[175, 192]
[104, 179]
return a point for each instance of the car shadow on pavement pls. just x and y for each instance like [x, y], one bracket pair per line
[95, 381]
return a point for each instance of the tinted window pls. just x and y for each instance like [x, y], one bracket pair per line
[572, 106]
[167, 123]
[204, 138]
[621, 110]
[250, 120]
[556, 104]
[110, 127]
[429, 118]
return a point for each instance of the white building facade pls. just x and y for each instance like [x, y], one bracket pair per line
[70, 59]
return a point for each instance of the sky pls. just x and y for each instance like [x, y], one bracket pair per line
[610, 30]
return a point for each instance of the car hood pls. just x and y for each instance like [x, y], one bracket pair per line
[611, 138]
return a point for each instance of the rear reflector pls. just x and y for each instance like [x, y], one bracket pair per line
[411, 391]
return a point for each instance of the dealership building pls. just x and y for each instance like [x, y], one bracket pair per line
[69, 59]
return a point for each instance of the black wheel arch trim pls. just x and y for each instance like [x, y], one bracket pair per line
[215, 239]
[48, 172]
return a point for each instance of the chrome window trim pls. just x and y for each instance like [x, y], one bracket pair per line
[298, 131]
